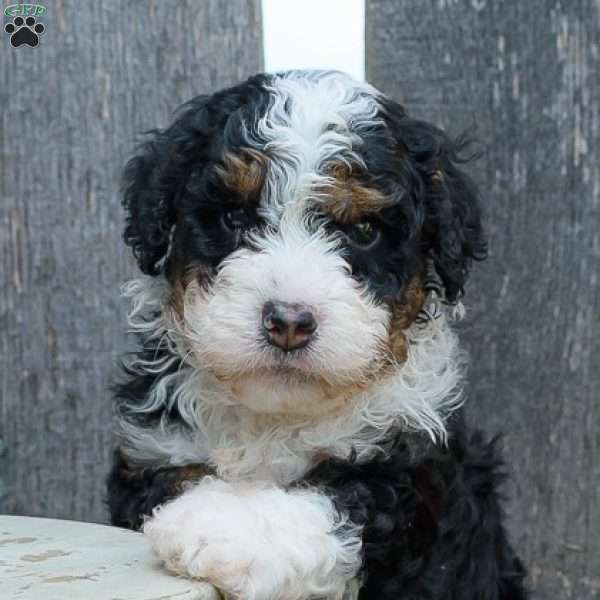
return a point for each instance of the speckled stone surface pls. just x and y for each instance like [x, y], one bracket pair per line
[48, 559]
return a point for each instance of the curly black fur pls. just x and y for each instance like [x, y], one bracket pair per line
[133, 492]
[432, 520]
[437, 208]
[156, 178]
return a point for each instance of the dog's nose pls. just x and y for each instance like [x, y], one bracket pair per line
[288, 326]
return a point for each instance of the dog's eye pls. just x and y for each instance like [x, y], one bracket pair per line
[364, 235]
[236, 219]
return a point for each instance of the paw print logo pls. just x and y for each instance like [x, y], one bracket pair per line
[24, 31]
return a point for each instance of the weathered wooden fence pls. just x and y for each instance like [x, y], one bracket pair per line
[69, 112]
[525, 78]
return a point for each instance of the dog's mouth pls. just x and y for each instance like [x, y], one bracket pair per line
[284, 371]
[300, 367]
[296, 373]
[287, 390]
[288, 372]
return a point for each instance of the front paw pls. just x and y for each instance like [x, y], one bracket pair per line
[192, 541]
[255, 543]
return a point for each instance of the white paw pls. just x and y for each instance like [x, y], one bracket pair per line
[256, 543]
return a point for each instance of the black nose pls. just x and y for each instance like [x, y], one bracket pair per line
[288, 326]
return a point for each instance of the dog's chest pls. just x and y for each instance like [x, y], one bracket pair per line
[279, 459]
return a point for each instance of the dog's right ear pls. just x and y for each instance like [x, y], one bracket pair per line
[154, 179]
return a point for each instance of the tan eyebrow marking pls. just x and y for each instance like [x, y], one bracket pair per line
[345, 198]
[243, 173]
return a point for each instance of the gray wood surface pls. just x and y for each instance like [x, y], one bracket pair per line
[69, 110]
[68, 560]
[525, 78]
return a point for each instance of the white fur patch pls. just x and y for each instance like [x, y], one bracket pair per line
[313, 118]
[257, 542]
[241, 443]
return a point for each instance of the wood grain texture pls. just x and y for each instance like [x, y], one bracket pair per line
[60, 560]
[70, 109]
[524, 77]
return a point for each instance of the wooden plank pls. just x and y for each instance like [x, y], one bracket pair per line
[70, 110]
[525, 77]
[55, 559]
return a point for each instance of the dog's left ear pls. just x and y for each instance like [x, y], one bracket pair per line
[452, 234]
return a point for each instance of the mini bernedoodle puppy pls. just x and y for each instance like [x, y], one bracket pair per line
[289, 428]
